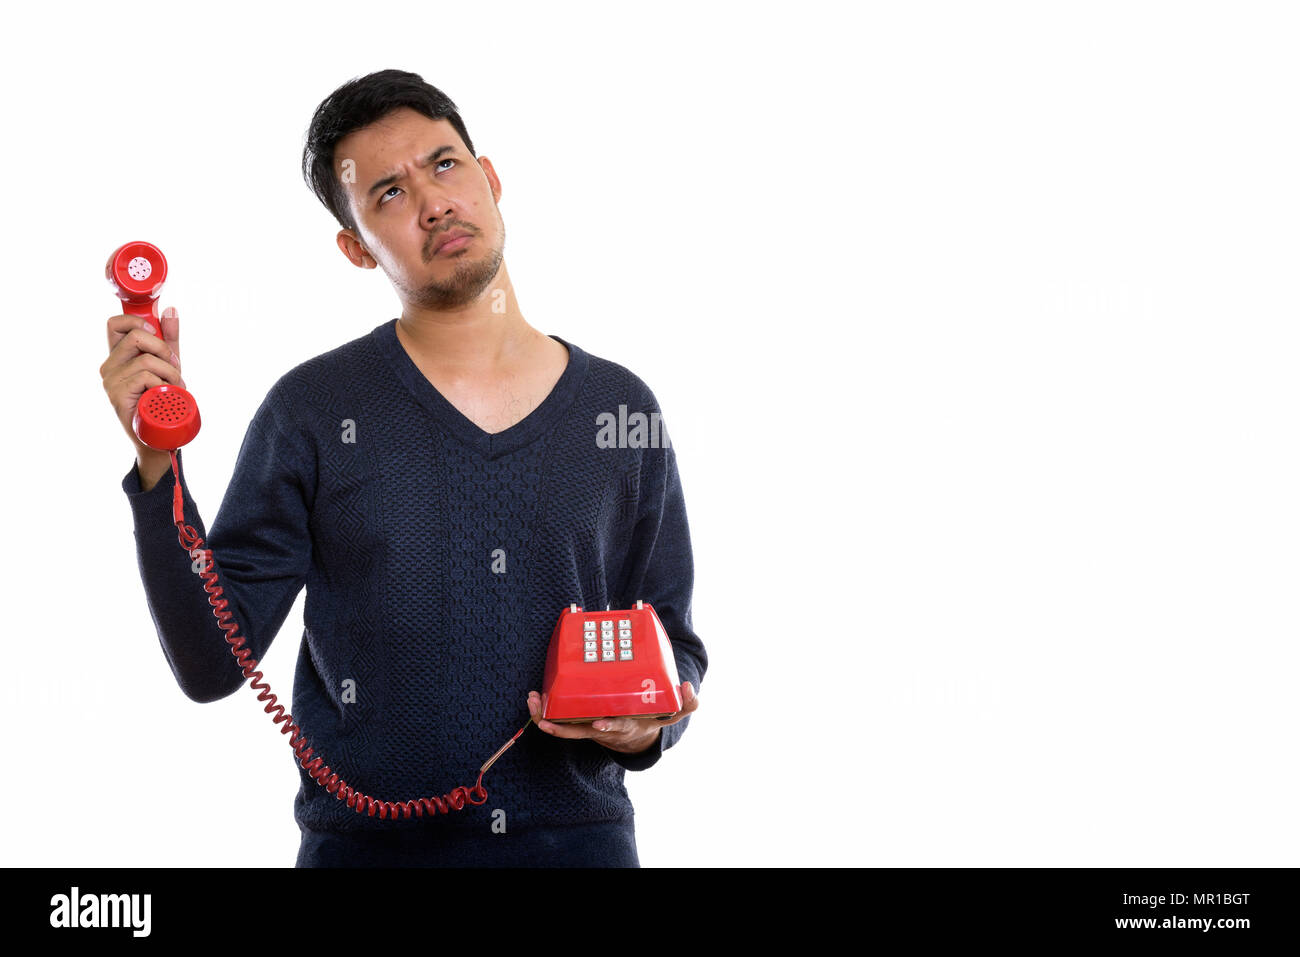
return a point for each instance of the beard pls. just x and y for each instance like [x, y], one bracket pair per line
[467, 281]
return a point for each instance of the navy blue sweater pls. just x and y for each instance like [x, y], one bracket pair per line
[437, 558]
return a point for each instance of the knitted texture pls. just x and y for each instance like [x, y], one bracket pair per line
[437, 558]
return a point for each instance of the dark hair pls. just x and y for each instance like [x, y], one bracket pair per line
[357, 104]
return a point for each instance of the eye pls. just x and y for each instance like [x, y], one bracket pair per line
[385, 197]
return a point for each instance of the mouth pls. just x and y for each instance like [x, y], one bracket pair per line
[452, 241]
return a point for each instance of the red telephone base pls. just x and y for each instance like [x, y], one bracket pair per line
[610, 664]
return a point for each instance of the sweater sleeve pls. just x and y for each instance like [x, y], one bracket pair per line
[261, 550]
[660, 570]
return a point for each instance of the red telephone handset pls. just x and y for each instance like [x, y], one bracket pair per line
[166, 417]
[610, 664]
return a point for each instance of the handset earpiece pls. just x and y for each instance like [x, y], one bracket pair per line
[167, 416]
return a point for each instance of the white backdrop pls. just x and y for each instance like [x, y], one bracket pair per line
[974, 326]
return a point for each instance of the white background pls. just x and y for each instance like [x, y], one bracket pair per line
[974, 326]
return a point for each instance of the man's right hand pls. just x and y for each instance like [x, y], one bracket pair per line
[137, 361]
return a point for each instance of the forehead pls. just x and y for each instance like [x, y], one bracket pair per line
[400, 137]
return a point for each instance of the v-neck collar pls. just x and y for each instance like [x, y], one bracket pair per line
[491, 445]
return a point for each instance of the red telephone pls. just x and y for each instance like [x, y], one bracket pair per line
[607, 664]
[166, 416]
[629, 670]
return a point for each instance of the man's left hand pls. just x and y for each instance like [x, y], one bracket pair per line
[626, 735]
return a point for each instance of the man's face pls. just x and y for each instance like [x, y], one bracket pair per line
[413, 186]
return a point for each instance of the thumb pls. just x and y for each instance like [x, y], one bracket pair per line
[171, 330]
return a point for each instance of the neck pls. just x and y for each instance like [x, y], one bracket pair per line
[483, 334]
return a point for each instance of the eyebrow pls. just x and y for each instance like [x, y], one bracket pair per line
[392, 178]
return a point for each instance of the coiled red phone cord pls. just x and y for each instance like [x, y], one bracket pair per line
[456, 799]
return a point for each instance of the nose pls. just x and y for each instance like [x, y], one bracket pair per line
[435, 205]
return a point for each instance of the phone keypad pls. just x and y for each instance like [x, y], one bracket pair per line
[601, 641]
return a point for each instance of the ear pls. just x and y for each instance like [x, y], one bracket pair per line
[494, 181]
[355, 250]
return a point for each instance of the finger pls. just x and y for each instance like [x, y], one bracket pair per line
[161, 369]
[566, 730]
[171, 330]
[131, 346]
[690, 700]
[126, 392]
[119, 325]
[132, 343]
[121, 366]
[690, 703]
[614, 725]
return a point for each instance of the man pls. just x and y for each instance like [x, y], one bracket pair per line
[440, 488]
